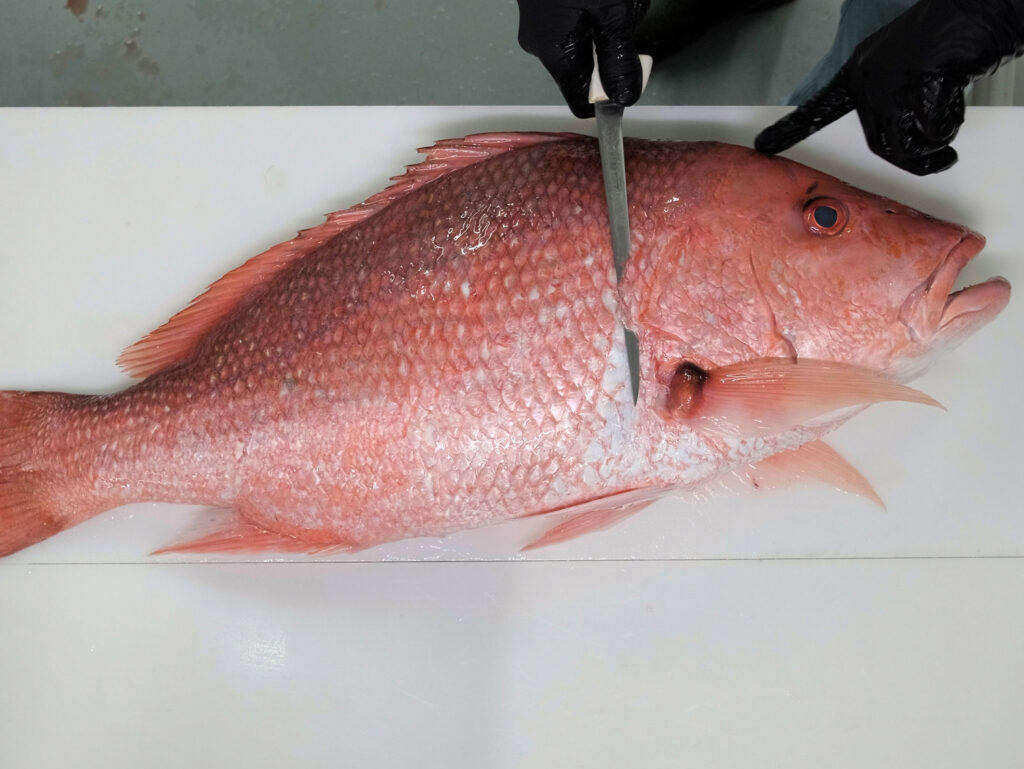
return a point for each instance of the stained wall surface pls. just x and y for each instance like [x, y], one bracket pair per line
[260, 52]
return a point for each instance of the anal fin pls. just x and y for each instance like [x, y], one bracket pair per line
[237, 536]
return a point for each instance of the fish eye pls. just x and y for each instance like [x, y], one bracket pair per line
[825, 216]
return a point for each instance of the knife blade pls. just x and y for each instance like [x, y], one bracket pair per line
[613, 171]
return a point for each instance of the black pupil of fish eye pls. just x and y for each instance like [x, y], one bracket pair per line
[825, 216]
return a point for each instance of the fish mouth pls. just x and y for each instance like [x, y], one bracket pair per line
[935, 314]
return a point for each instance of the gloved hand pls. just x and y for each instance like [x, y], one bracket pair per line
[563, 33]
[907, 81]
[672, 25]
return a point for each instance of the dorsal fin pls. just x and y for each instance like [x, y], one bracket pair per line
[174, 340]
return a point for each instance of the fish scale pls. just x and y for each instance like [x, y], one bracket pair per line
[448, 354]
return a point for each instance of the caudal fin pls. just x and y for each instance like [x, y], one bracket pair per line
[28, 510]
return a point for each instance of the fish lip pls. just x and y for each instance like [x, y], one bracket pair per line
[931, 311]
[979, 298]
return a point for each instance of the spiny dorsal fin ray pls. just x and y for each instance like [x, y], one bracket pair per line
[175, 340]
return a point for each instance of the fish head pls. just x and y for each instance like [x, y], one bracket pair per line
[770, 258]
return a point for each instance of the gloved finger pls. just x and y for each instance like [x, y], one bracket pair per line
[896, 133]
[617, 61]
[923, 165]
[825, 107]
[570, 64]
[575, 88]
[941, 111]
[561, 37]
[900, 141]
[571, 69]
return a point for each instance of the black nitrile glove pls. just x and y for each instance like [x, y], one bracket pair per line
[672, 25]
[907, 81]
[563, 33]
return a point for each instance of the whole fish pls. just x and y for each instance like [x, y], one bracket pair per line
[448, 354]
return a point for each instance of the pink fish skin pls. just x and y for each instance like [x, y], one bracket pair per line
[449, 354]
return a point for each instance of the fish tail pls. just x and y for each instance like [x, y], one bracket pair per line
[30, 510]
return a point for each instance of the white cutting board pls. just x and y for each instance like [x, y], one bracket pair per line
[113, 219]
[805, 629]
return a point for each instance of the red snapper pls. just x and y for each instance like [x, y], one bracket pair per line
[448, 354]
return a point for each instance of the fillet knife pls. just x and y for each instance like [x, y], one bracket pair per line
[613, 170]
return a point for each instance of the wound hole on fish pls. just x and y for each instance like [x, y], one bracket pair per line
[685, 389]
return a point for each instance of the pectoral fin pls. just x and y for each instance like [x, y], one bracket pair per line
[776, 394]
[595, 515]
